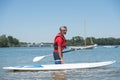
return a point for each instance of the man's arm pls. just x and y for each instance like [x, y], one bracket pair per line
[60, 54]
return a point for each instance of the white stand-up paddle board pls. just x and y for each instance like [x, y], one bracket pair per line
[60, 66]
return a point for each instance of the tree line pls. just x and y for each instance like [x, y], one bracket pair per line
[10, 41]
[78, 40]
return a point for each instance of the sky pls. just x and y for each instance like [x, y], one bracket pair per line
[39, 20]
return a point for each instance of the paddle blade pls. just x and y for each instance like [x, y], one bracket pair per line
[36, 59]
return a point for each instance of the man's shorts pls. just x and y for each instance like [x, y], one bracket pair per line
[56, 58]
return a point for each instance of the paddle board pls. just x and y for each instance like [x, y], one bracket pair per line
[51, 67]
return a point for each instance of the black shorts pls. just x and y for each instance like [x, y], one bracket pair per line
[56, 58]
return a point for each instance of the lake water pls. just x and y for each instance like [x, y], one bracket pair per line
[24, 56]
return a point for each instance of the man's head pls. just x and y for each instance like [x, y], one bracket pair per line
[63, 30]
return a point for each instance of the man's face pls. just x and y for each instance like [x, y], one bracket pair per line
[63, 31]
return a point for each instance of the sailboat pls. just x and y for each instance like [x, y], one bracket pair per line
[85, 44]
[92, 46]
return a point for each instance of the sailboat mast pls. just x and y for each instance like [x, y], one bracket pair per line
[85, 32]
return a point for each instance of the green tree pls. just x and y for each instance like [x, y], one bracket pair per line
[12, 42]
[3, 41]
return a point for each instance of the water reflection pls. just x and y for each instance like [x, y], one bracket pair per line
[59, 75]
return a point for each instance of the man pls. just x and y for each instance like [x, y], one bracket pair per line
[59, 45]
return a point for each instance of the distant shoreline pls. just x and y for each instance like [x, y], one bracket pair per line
[10, 41]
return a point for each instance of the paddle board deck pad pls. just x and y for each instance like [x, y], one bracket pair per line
[60, 66]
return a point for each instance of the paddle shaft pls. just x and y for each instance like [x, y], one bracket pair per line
[63, 52]
[68, 51]
[38, 58]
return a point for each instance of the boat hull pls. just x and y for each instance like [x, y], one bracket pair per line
[82, 47]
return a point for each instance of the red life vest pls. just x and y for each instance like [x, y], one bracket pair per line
[56, 43]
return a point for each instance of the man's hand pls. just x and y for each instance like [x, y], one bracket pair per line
[62, 61]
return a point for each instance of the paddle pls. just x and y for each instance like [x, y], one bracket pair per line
[38, 58]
